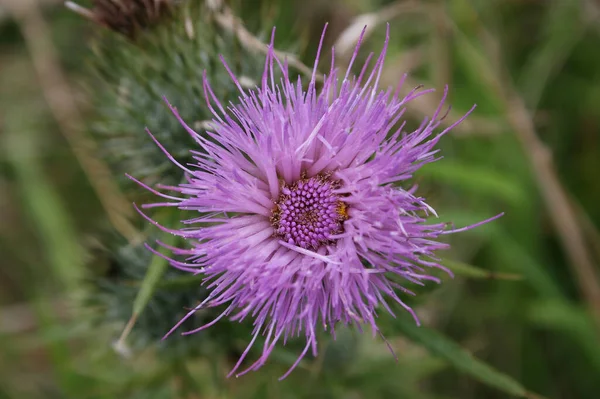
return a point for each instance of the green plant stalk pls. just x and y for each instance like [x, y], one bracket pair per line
[156, 270]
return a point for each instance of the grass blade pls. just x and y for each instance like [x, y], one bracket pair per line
[440, 346]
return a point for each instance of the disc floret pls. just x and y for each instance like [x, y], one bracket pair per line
[309, 212]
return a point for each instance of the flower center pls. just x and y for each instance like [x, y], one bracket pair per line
[309, 212]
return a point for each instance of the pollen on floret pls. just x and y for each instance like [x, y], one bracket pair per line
[342, 210]
[309, 212]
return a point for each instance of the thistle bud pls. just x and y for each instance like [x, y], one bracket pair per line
[166, 61]
[126, 17]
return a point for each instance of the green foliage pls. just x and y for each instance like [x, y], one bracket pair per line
[137, 283]
[482, 336]
[440, 346]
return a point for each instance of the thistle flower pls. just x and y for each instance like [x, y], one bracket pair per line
[301, 219]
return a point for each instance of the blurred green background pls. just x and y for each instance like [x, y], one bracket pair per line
[521, 317]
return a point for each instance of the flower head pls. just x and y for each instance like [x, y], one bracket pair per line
[301, 219]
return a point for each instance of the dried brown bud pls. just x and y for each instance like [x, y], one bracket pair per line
[127, 17]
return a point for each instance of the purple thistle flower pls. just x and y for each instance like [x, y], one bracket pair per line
[300, 219]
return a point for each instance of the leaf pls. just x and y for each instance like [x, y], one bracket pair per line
[569, 319]
[516, 255]
[440, 346]
[464, 269]
[476, 179]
